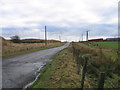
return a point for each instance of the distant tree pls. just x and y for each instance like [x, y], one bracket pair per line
[15, 39]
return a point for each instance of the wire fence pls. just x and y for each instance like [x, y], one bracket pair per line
[84, 64]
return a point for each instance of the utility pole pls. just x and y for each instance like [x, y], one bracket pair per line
[59, 38]
[82, 37]
[45, 36]
[87, 35]
[79, 39]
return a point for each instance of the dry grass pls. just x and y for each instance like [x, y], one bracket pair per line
[99, 62]
[97, 56]
[0, 47]
[65, 73]
[10, 47]
[61, 72]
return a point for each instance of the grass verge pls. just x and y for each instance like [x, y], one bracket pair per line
[61, 72]
[44, 78]
[26, 51]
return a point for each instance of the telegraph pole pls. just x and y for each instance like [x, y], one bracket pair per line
[87, 35]
[59, 37]
[82, 37]
[45, 36]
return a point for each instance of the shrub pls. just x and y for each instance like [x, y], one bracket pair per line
[15, 39]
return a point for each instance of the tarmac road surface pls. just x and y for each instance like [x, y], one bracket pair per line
[20, 70]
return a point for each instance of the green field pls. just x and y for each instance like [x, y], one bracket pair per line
[108, 47]
[108, 44]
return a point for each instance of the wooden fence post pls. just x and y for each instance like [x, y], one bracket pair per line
[101, 81]
[73, 51]
[83, 73]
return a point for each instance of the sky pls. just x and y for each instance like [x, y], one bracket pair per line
[68, 19]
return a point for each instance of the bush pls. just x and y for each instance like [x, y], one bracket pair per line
[15, 39]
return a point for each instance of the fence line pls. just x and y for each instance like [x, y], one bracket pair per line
[83, 73]
[83, 62]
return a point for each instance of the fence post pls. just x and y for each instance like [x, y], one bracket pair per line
[101, 81]
[73, 51]
[83, 73]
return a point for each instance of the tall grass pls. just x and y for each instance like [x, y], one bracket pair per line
[10, 47]
[61, 72]
[99, 62]
[65, 72]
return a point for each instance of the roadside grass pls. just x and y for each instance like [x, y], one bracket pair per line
[19, 52]
[11, 49]
[44, 80]
[61, 72]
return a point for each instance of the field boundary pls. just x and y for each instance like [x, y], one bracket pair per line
[81, 63]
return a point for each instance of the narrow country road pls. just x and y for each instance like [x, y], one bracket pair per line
[20, 70]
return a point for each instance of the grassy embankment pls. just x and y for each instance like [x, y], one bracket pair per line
[11, 49]
[62, 72]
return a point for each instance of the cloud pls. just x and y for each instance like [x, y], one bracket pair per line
[71, 16]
